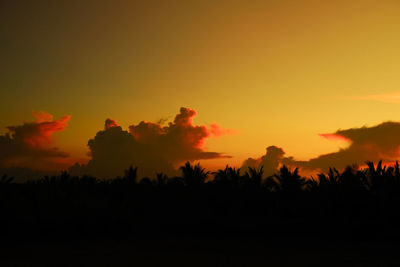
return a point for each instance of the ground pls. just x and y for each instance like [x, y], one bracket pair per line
[198, 251]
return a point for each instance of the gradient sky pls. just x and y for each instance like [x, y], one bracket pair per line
[277, 72]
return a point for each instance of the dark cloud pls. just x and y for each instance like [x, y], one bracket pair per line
[380, 142]
[149, 145]
[30, 145]
[110, 123]
[270, 161]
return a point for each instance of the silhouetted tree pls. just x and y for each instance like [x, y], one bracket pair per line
[193, 175]
[347, 199]
[325, 183]
[287, 181]
[228, 177]
[5, 179]
[131, 175]
[255, 176]
[161, 179]
[352, 181]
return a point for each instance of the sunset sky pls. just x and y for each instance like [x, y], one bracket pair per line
[269, 73]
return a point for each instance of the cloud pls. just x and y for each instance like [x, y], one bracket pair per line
[270, 161]
[380, 142]
[393, 97]
[30, 145]
[335, 137]
[216, 130]
[110, 123]
[150, 146]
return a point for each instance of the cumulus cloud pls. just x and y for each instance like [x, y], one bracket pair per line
[30, 145]
[150, 146]
[109, 123]
[380, 142]
[270, 161]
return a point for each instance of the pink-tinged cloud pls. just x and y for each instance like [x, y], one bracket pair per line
[380, 142]
[38, 134]
[146, 132]
[393, 97]
[335, 137]
[109, 123]
[180, 136]
[217, 131]
[150, 146]
[30, 145]
[42, 116]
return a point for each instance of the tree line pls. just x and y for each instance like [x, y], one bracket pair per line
[337, 202]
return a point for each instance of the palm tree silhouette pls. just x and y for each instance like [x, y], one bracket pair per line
[131, 175]
[255, 176]
[193, 175]
[352, 181]
[161, 179]
[375, 178]
[287, 181]
[325, 183]
[228, 177]
[6, 180]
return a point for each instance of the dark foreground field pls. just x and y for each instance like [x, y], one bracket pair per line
[200, 252]
[349, 218]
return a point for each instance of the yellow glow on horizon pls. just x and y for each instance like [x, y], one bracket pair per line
[278, 72]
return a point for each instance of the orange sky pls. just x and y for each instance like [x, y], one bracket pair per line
[276, 72]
